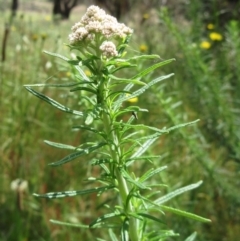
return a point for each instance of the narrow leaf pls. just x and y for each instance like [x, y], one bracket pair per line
[59, 145]
[70, 84]
[125, 230]
[148, 216]
[191, 237]
[75, 155]
[84, 88]
[81, 73]
[151, 68]
[112, 235]
[77, 67]
[142, 57]
[143, 148]
[131, 180]
[52, 195]
[185, 214]
[140, 91]
[151, 173]
[77, 225]
[53, 102]
[177, 192]
[100, 220]
[100, 161]
[56, 55]
[122, 80]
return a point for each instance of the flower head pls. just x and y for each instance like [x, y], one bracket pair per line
[143, 48]
[205, 45]
[96, 22]
[108, 49]
[210, 26]
[214, 36]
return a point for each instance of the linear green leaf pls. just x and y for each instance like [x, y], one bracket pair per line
[52, 195]
[143, 148]
[77, 67]
[140, 91]
[56, 55]
[185, 214]
[131, 180]
[81, 73]
[84, 88]
[145, 215]
[112, 235]
[142, 57]
[151, 173]
[100, 220]
[77, 225]
[122, 80]
[100, 161]
[191, 237]
[75, 155]
[60, 145]
[53, 102]
[88, 128]
[177, 192]
[131, 160]
[70, 84]
[125, 230]
[151, 68]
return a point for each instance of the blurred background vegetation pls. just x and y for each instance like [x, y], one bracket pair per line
[203, 36]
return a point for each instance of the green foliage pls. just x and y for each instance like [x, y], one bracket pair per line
[208, 150]
[118, 144]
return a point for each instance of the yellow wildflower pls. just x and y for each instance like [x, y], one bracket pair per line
[205, 45]
[68, 74]
[48, 18]
[132, 100]
[34, 37]
[145, 16]
[88, 73]
[13, 28]
[214, 36]
[43, 36]
[143, 48]
[210, 26]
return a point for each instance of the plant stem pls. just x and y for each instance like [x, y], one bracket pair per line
[115, 151]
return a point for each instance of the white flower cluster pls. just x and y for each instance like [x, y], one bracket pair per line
[108, 49]
[96, 21]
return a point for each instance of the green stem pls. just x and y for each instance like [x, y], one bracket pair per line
[115, 151]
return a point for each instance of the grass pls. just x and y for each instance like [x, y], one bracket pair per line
[205, 86]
